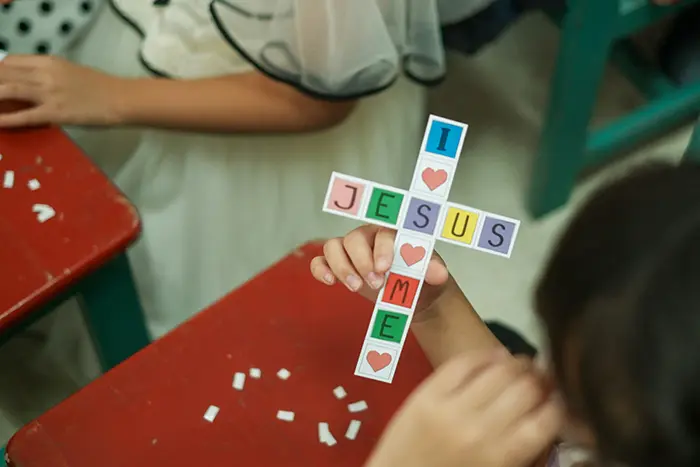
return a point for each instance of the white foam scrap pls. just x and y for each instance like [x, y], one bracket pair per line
[255, 373]
[353, 429]
[285, 415]
[211, 413]
[358, 406]
[324, 434]
[9, 179]
[34, 184]
[339, 392]
[239, 381]
[283, 374]
[43, 212]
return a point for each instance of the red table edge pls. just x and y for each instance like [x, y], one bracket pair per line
[309, 248]
[111, 251]
[85, 268]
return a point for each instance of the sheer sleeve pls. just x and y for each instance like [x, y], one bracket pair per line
[338, 49]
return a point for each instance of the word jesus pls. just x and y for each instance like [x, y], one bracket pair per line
[460, 224]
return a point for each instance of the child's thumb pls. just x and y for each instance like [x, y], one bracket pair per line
[437, 273]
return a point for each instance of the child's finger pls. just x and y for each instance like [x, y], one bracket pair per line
[359, 250]
[338, 261]
[521, 397]
[27, 62]
[26, 117]
[456, 374]
[489, 385]
[534, 432]
[383, 250]
[321, 271]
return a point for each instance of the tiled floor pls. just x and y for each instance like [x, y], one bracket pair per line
[501, 95]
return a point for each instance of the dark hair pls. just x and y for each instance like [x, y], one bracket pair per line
[620, 300]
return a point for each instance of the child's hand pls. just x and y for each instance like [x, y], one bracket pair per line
[57, 91]
[480, 411]
[361, 259]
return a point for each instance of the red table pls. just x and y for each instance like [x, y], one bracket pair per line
[149, 410]
[93, 225]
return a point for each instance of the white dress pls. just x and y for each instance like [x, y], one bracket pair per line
[217, 209]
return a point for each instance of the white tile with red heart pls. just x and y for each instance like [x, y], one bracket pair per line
[412, 252]
[432, 177]
[377, 361]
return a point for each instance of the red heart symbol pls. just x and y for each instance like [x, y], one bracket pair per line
[411, 254]
[434, 178]
[378, 361]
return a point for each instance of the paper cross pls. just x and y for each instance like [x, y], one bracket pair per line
[420, 216]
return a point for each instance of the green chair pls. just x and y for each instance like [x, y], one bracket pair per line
[592, 32]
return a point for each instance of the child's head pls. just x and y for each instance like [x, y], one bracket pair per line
[620, 300]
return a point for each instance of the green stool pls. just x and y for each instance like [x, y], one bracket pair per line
[110, 306]
[111, 309]
[80, 253]
[593, 31]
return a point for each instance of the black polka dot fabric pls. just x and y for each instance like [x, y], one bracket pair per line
[45, 26]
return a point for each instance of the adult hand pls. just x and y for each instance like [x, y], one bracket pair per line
[56, 91]
[476, 411]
